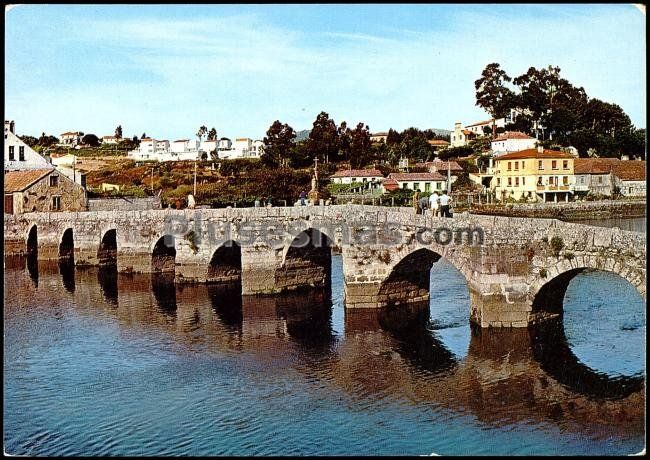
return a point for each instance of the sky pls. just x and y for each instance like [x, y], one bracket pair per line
[168, 69]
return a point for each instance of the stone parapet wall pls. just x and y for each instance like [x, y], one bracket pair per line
[123, 204]
[570, 210]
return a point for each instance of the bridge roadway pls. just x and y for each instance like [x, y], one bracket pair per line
[517, 269]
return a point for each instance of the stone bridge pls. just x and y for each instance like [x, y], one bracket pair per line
[517, 269]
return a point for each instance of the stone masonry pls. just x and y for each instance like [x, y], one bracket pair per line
[387, 252]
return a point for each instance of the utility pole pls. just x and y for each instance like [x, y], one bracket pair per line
[194, 177]
[152, 179]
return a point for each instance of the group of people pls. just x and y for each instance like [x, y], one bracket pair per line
[264, 202]
[438, 204]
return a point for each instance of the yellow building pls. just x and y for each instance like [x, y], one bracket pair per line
[534, 175]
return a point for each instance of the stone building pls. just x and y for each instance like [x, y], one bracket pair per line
[42, 190]
[603, 176]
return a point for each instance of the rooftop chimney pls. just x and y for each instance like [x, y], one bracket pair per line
[540, 149]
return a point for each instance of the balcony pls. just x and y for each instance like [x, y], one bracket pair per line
[555, 188]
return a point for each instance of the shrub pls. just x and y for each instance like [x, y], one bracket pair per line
[569, 255]
[557, 244]
[543, 273]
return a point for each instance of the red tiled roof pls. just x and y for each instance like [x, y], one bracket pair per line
[390, 184]
[416, 176]
[630, 170]
[438, 142]
[594, 165]
[75, 133]
[379, 134]
[533, 153]
[512, 135]
[444, 165]
[358, 173]
[182, 140]
[467, 132]
[480, 123]
[17, 181]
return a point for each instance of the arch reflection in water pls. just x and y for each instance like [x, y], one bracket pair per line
[107, 277]
[67, 271]
[226, 301]
[164, 292]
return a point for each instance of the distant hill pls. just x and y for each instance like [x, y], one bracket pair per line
[302, 135]
[441, 132]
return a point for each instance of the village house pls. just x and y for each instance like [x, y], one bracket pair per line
[438, 144]
[444, 167]
[460, 136]
[605, 176]
[534, 175]
[111, 140]
[423, 182]
[70, 139]
[18, 155]
[42, 190]
[379, 137]
[350, 176]
[512, 141]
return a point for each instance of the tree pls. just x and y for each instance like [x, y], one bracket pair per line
[135, 138]
[90, 139]
[201, 132]
[455, 152]
[492, 93]
[29, 140]
[118, 132]
[144, 136]
[212, 134]
[46, 141]
[323, 139]
[360, 146]
[393, 137]
[345, 141]
[278, 144]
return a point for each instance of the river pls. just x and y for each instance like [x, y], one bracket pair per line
[101, 364]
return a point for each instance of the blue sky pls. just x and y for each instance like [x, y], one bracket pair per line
[168, 69]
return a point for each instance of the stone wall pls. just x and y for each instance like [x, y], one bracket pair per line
[570, 210]
[38, 197]
[124, 204]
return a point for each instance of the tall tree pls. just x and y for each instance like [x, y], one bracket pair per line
[278, 144]
[212, 134]
[323, 138]
[360, 146]
[345, 139]
[118, 132]
[90, 139]
[144, 136]
[492, 94]
[393, 137]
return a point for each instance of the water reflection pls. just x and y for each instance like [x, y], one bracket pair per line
[551, 349]
[389, 363]
[67, 271]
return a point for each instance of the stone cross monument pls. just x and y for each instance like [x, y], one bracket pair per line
[314, 195]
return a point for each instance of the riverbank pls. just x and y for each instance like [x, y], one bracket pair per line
[571, 210]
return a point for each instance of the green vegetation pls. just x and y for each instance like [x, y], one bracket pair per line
[543, 273]
[557, 243]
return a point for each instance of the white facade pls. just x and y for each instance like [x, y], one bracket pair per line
[19, 155]
[506, 144]
[243, 147]
[110, 140]
[71, 139]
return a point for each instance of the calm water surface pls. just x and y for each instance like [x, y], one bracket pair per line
[100, 364]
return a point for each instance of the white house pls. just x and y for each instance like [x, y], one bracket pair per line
[19, 155]
[71, 138]
[461, 136]
[379, 137]
[512, 141]
[110, 140]
[257, 149]
[225, 144]
[424, 182]
[356, 175]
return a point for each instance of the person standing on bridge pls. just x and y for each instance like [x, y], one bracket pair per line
[423, 204]
[434, 203]
[416, 201]
[444, 204]
[303, 195]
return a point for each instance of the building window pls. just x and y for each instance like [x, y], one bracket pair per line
[540, 181]
[540, 165]
[523, 181]
[56, 203]
[516, 166]
[600, 180]
[523, 165]
[416, 186]
[516, 182]
[54, 181]
[498, 182]
[565, 164]
[21, 153]
[439, 185]
[405, 185]
[565, 180]
[427, 186]
[11, 153]
[509, 166]
[509, 181]
[554, 164]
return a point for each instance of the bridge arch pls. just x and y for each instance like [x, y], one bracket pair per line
[307, 261]
[548, 293]
[107, 251]
[66, 245]
[163, 255]
[225, 264]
